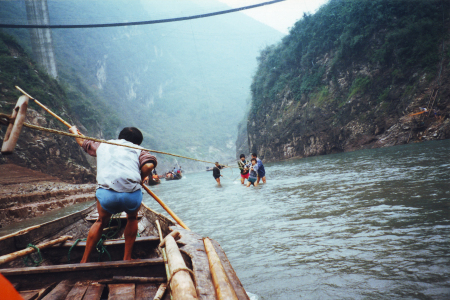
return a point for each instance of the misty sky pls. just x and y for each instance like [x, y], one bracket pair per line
[280, 16]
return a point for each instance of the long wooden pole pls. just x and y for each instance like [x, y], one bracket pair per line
[19, 232]
[169, 211]
[224, 289]
[12, 256]
[181, 283]
[45, 108]
[166, 263]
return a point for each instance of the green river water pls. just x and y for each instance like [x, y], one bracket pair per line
[372, 224]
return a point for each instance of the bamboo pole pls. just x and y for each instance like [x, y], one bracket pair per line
[169, 211]
[224, 289]
[166, 263]
[160, 293]
[163, 250]
[12, 256]
[181, 283]
[19, 232]
[44, 107]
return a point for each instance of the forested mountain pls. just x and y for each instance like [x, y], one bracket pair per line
[55, 155]
[185, 84]
[350, 76]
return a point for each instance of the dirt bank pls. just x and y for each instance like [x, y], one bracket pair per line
[26, 193]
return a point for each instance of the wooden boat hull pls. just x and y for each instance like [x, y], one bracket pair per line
[58, 278]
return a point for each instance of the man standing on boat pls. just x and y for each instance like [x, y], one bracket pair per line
[120, 171]
[216, 172]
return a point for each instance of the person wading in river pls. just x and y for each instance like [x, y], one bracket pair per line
[261, 170]
[253, 178]
[120, 171]
[243, 167]
[216, 172]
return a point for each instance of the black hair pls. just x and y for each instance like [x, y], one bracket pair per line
[131, 134]
[254, 154]
[216, 163]
[253, 159]
[242, 156]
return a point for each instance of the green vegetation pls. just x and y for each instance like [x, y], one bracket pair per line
[359, 86]
[391, 34]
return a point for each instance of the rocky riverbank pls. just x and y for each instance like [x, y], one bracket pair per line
[26, 193]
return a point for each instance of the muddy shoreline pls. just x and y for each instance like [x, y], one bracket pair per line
[26, 193]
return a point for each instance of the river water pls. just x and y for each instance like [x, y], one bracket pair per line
[372, 224]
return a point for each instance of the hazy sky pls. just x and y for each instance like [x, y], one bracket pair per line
[280, 16]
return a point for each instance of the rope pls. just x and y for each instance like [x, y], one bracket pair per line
[142, 22]
[182, 269]
[28, 257]
[54, 131]
[70, 250]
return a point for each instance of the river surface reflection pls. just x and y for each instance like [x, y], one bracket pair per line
[372, 224]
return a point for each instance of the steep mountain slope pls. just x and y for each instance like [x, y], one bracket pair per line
[56, 155]
[350, 76]
[183, 84]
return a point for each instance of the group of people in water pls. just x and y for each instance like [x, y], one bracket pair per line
[252, 170]
[176, 172]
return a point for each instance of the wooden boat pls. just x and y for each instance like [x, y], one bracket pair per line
[59, 278]
[176, 177]
[153, 181]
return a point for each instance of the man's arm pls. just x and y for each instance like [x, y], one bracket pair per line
[146, 170]
[75, 130]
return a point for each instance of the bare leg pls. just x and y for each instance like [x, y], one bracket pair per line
[242, 180]
[218, 181]
[264, 179]
[256, 183]
[258, 179]
[130, 233]
[96, 231]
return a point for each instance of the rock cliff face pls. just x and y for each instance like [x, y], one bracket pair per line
[56, 155]
[41, 38]
[356, 103]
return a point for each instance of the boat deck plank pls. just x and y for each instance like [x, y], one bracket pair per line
[122, 291]
[29, 295]
[78, 291]
[60, 291]
[94, 291]
[146, 291]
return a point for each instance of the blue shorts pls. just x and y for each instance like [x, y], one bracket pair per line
[115, 202]
[261, 172]
[252, 180]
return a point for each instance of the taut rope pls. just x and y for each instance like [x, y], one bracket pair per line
[54, 131]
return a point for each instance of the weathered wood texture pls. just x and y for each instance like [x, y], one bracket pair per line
[94, 291]
[12, 256]
[121, 291]
[60, 291]
[78, 291]
[181, 283]
[34, 278]
[20, 241]
[224, 289]
[18, 116]
[193, 247]
[146, 291]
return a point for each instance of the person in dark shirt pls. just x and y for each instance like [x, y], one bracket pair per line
[216, 172]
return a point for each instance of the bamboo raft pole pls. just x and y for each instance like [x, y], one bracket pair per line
[12, 256]
[181, 283]
[166, 265]
[166, 208]
[19, 232]
[224, 289]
